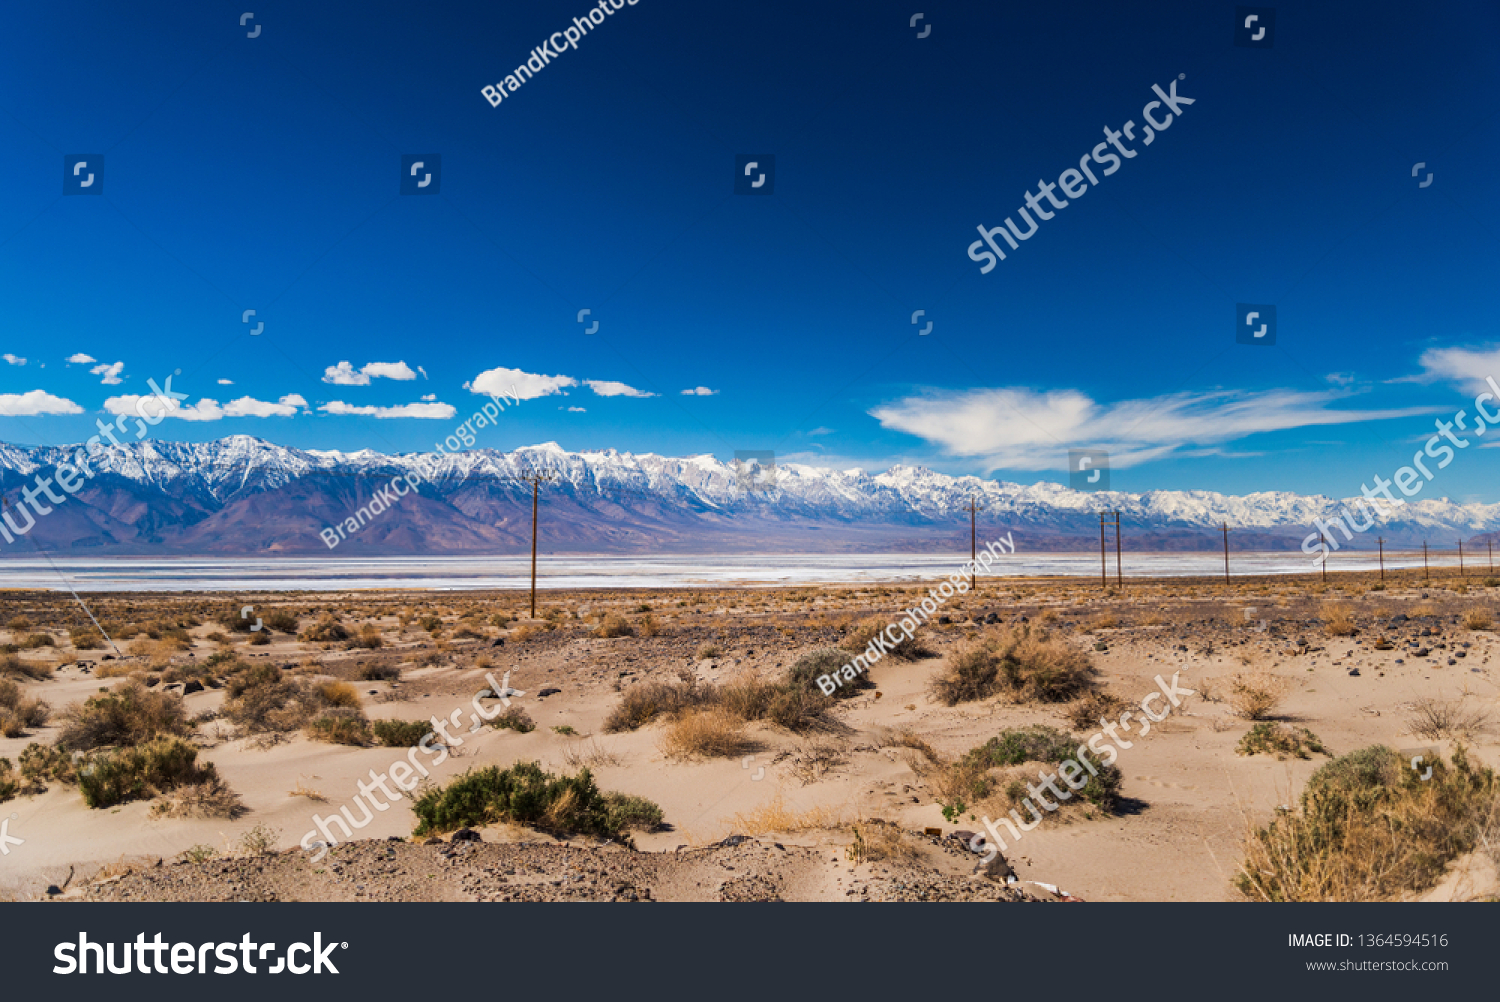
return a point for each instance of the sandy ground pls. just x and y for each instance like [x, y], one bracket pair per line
[1179, 835]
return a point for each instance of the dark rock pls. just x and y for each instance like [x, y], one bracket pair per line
[735, 840]
[53, 889]
[432, 840]
[547, 692]
[1399, 618]
[192, 685]
[944, 620]
[465, 835]
[150, 682]
[107, 657]
[499, 642]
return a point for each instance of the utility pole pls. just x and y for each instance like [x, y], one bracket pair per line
[1324, 561]
[1382, 558]
[1224, 526]
[1461, 572]
[1103, 565]
[1119, 580]
[973, 549]
[1491, 544]
[535, 480]
[1425, 575]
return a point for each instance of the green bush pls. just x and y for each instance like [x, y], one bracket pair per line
[339, 725]
[973, 673]
[627, 811]
[400, 733]
[514, 719]
[1039, 743]
[1266, 738]
[148, 769]
[524, 794]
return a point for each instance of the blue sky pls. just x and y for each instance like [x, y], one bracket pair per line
[263, 173]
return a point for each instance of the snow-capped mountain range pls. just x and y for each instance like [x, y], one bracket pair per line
[244, 496]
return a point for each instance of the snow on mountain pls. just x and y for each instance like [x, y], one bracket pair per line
[244, 494]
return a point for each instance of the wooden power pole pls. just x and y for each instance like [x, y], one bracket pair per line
[1425, 575]
[1224, 527]
[973, 548]
[1461, 572]
[1119, 580]
[1382, 558]
[535, 480]
[1324, 561]
[1103, 564]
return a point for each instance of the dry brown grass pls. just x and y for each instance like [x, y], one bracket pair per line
[775, 816]
[1478, 618]
[1371, 829]
[521, 634]
[1086, 713]
[614, 625]
[303, 790]
[589, 754]
[1338, 620]
[1437, 720]
[710, 733]
[1254, 695]
[211, 798]
[1103, 621]
[877, 843]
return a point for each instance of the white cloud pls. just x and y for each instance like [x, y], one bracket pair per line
[111, 373]
[422, 371]
[423, 410]
[250, 407]
[528, 386]
[1017, 428]
[1467, 367]
[820, 431]
[13, 359]
[204, 410]
[429, 397]
[226, 382]
[389, 370]
[35, 402]
[345, 374]
[81, 359]
[699, 391]
[577, 410]
[610, 388]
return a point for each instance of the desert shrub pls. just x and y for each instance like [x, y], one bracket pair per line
[1047, 745]
[41, 764]
[131, 714]
[432, 624]
[340, 694]
[863, 632]
[340, 725]
[400, 733]
[1478, 618]
[707, 651]
[32, 641]
[1255, 694]
[280, 620]
[18, 624]
[17, 712]
[326, 630]
[797, 709]
[523, 794]
[148, 769]
[1338, 620]
[627, 811]
[973, 673]
[210, 798]
[1280, 740]
[1371, 828]
[1437, 720]
[1095, 707]
[1035, 667]
[712, 733]
[260, 638]
[805, 672]
[514, 719]
[614, 625]
[379, 673]
[645, 701]
[13, 667]
[86, 639]
[264, 699]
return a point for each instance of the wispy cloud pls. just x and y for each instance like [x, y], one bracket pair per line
[204, 410]
[699, 391]
[13, 359]
[1018, 428]
[81, 359]
[35, 402]
[610, 388]
[1467, 367]
[226, 382]
[418, 410]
